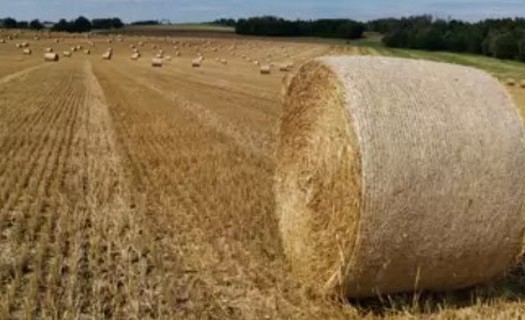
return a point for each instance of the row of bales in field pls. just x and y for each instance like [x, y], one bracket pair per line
[200, 47]
[512, 83]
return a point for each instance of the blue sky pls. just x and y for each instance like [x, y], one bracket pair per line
[195, 11]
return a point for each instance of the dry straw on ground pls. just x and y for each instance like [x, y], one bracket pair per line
[398, 175]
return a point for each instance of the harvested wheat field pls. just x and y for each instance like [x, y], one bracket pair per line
[133, 192]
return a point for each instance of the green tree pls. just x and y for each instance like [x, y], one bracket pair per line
[36, 25]
[81, 24]
[505, 46]
[9, 23]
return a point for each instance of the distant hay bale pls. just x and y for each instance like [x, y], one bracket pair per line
[27, 51]
[2, 40]
[49, 50]
[265, 69]
[177, 54]
[510, 82]
[107, 55]
[87, 51]
[135, 56]
[159, 56]
[50, 56]
[412, 183]
[284, 68]
[73, 49]
[522, 84]
[156, 62]
[196, 63]
[66, 54]
[224, 61]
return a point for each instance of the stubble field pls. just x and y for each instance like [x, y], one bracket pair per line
[133, 192]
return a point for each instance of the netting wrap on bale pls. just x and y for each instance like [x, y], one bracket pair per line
[398, 175]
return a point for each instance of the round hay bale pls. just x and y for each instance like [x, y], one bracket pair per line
[265, 69]
[107, 55]
[50, 56]
[27, 51]
[196, 63]
[390, 181]
[522, 84]
[2, 40]
[87, 51]
[510, 82]
[135, 56]
[66, 54]
[48, 50]
[156, 62]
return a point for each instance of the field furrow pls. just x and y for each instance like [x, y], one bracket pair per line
[210, 200]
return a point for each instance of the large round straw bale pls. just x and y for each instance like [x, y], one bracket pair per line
[135, 56]
[50, 56]
[66, 54]
[49, 50]
[392, 181]
[156, 62]
[510, 82]
[27, 51]
[522, 84]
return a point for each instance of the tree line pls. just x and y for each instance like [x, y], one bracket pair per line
[80, 24]
[498, 38]
[275, 26]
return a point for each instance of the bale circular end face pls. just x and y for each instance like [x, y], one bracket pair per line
[395, 175]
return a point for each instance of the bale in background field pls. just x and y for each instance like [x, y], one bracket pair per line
[392, 181]
[50, 56]
[265, 69]
[107, 55]
[156, 62]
